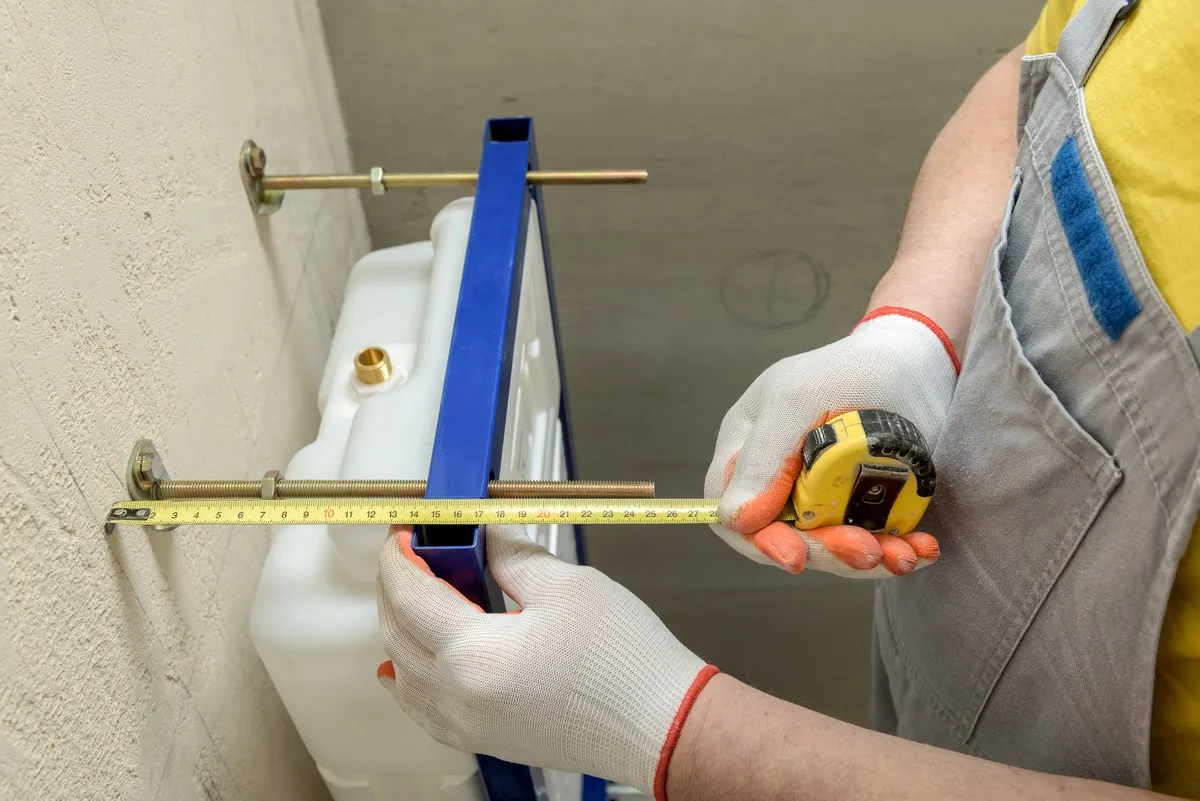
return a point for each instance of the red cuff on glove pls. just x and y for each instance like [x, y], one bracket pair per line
[689, 700]
[884, 311]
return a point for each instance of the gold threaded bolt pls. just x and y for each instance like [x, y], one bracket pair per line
[372, 365]
[391, 488]
[378, 179]
[148, 480]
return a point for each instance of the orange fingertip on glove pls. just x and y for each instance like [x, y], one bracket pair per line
[685, 707]
[404, 543]
[924, 545]
[755, 520]
[759, 512]
[854, 547]
[779, 542]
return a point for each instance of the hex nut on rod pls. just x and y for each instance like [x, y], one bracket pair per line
[377, 185]
[270, 485]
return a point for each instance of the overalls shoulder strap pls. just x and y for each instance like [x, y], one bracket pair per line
[1088, 34]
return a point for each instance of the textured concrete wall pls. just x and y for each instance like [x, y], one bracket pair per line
[139, 297]
[782, 138]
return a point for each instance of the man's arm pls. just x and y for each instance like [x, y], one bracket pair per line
[957, 205]
[741, 743]
[651, 714]
[896, 359]
[528, 688]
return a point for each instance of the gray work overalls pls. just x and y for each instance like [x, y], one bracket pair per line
[1068, 476]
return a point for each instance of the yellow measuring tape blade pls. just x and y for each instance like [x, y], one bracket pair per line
[413, 511]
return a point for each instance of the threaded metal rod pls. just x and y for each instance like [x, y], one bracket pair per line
[401, 488]
[195, 490]
[393, 180]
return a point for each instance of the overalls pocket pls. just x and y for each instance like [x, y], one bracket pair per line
[1019, 484]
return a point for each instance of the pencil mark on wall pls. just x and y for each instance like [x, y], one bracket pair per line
[774, 289]
[87, 504]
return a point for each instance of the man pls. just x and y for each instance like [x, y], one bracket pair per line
[1069, 484]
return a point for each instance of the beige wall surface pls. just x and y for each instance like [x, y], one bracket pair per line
[139, 297]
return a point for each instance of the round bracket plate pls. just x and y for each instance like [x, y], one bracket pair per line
[252, 161]
[145, 468]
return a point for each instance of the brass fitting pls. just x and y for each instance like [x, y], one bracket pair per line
[372, 366]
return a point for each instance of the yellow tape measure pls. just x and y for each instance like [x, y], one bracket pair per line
[413, 511]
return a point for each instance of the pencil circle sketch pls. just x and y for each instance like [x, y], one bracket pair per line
[774, 289]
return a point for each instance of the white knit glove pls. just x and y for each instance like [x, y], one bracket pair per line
[585, 678]
[896, 360]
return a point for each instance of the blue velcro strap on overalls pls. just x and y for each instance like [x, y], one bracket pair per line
[1104, 282]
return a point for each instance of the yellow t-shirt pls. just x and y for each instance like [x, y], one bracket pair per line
[1143, 101]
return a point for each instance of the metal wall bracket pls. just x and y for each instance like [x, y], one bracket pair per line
[251, 163]
[143, 473]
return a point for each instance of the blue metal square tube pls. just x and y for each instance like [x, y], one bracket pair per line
[470, 428]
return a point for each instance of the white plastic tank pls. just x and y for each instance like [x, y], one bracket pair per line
[314, 619]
